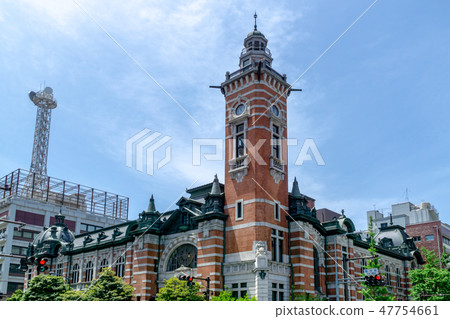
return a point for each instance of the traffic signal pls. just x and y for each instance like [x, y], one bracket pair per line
[368, 280]
[42, 265]
[23, 265]
[189, 279]
[379, 281]
[376, 280]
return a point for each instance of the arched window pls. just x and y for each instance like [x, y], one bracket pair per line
[75, 274]
[59, 270]
[185, 255]
[120, 266]
[316, 270]
[89, 271]
[104, 264]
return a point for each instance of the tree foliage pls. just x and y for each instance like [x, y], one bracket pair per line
[178, 290]
[42, 288]
[374, 293]
[432, 282]
[227, 295]
[305, 296]
[107, 287]
[16, 296]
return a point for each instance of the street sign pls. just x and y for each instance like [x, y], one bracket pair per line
[371, 272]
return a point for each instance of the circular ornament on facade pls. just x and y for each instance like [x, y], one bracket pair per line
[240, 109]
[275, 111]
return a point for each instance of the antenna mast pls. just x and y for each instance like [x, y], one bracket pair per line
[45, 102]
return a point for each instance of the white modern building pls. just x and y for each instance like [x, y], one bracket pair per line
[422, 223]
[86, 209]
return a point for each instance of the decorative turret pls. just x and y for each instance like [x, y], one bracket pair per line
[295, 189]
[255, 49]
[298, 203]
[52, 241]
[215, 189]
[149, 216]
[214, 200]
[151, 205]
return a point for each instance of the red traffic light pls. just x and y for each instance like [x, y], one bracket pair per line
[42, 262]
[377, 277]
[190, 279]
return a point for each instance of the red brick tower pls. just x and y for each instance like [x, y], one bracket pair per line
[256, 183]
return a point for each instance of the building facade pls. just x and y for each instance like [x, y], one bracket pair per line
[252, 234]
[422, 224]
[26, 209]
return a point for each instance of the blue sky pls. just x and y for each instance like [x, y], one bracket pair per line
[376, 104]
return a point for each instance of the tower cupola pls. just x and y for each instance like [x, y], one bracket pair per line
[255, 49]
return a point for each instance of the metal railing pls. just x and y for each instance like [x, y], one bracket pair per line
[247, 50]
[24, 184]
[250, 66]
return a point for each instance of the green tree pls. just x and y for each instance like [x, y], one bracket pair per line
[72, 295]
[16, 296]
[227, 295]
[42, 288]
[178, 290]
[376, 293]
[432, 282]
[306, 296]
[107, 287]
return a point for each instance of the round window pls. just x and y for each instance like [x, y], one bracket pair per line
[275, 111]
[240, 109]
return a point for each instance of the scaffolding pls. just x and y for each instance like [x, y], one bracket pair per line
[25, 184]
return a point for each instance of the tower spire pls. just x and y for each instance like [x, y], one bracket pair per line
[295, 189]
[255, 16]
[215, 189]
[151, 205]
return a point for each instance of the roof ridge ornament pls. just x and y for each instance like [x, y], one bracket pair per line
[255, 16]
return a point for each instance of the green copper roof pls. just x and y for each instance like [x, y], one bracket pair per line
[151, 205]
[295, 190]
[215, 190]
[255, 32]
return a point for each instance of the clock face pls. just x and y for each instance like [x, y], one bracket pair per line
[275, 111]
[240, 109]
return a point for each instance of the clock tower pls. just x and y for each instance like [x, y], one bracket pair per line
[256, 183]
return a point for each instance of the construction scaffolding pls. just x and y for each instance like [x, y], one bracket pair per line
[29, 185]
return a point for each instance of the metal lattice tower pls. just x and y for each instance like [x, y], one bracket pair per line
[45, 102]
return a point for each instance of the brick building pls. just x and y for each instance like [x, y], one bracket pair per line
[249, 234]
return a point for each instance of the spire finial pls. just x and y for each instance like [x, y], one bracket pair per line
[295, 189]
[255, 16]
[215, 189]
[151, 205]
